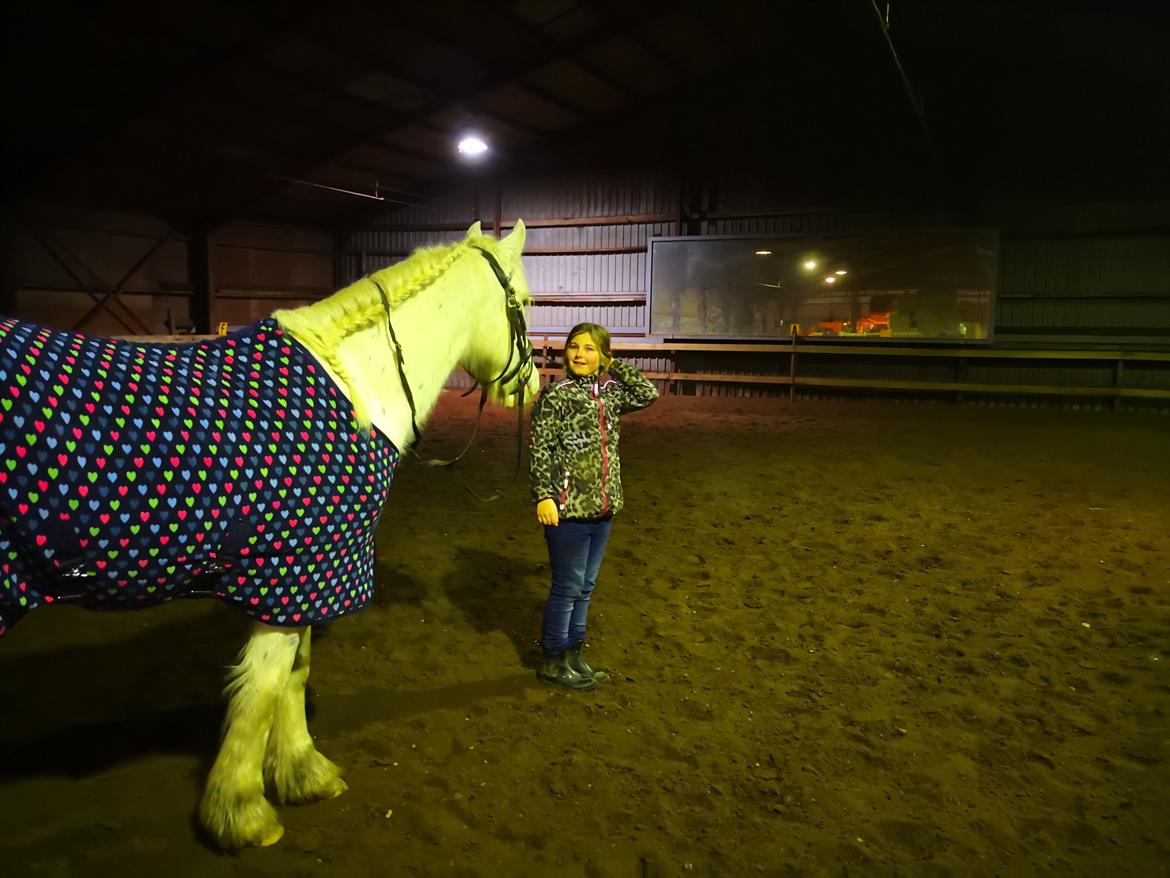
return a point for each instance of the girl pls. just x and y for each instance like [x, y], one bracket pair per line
[575, 476]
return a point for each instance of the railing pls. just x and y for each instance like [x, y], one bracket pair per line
[789, 357]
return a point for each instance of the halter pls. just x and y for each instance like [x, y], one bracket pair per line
[520, 350]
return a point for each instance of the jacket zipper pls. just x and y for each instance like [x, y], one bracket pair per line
[604, 449]
[565, 492]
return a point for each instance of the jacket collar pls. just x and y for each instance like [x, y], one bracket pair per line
[585, 380]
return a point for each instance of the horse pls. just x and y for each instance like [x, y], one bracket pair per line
[251, 468]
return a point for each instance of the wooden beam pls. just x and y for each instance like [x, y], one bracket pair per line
[58, 251]
[117, 289]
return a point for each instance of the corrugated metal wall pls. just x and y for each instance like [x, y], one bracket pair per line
[1096, 290]
[1073, 292]
[577, 271]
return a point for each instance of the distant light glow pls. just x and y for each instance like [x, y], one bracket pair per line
[810, 265]
[842, 272]
[830, 279]
[472, 146]
[763, 252]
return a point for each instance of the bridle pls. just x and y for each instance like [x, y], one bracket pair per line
[519, 351]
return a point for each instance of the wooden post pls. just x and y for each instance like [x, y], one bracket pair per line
[795, 331]
[8, 278]
[499, 219]
[339, 278]
[199, 274]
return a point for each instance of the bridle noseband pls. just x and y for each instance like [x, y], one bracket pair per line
[520, 350]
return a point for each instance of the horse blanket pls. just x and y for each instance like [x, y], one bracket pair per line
[136, 473]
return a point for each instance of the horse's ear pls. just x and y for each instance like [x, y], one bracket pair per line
[515, 240]
[474, 231]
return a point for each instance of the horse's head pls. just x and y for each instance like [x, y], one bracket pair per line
[499, 356]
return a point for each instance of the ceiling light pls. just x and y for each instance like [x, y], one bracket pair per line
[830, 279]
[842, 272]
[472, 146]
[810, 265]
[763, 252]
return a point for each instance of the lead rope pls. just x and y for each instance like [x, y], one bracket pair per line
[400, 361]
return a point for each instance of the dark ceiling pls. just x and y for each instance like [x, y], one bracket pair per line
[205, 111]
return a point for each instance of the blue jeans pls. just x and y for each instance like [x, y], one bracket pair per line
[575, 550]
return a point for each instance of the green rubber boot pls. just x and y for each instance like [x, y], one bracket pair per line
[555, 669]
[576, 661]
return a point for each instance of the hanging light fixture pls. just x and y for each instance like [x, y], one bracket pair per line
[471, 146]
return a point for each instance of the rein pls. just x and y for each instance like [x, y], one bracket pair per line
[520, 350]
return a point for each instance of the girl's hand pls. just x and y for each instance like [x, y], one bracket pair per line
[546, 512]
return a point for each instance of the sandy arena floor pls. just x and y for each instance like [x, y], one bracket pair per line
[847, 639]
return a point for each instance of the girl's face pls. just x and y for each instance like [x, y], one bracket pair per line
[582, 354]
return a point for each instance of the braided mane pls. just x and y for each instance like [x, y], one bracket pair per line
[327, 323]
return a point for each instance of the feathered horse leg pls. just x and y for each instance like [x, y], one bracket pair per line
[234, 810]
[294, 771]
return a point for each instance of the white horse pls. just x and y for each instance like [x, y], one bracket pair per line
[290, 466]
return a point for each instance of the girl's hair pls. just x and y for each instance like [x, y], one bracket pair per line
[600, 338]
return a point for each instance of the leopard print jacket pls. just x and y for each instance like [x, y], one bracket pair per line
[574, 447]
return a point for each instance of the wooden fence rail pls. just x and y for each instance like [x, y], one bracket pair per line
[791, 356]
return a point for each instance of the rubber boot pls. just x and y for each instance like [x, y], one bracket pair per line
[555, 669]
[576, 661]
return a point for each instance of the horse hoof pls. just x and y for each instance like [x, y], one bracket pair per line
[273, 837]
[342, 786]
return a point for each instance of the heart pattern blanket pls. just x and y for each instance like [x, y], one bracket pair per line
[135, 473]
